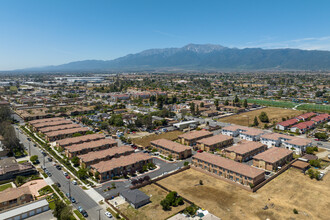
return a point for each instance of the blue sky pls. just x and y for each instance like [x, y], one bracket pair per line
[50, 32]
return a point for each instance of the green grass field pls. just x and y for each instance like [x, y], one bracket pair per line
[283, 104]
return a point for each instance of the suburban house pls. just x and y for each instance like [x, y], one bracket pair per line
[86, 160]
[119, 97]
[321, 118]
[192, 137]
[274, 139]
[56, 135]
[305, 116]
[167, 147]
[116, 166]
[214, 142]
[84, 148]
[210, 113]
[272, 158]
[228, 169]
[12, 197]
[284, 125]
[135, 197]
[302, 127]
[297, 144]
[79, 140]
[244, 151]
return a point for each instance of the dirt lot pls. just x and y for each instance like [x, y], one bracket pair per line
[152, 210]
[145, 141]
[274, 114]
[290, 190]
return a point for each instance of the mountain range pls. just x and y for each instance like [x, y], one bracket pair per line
[204, 58]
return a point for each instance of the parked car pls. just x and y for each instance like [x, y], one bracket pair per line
[199, 151]
[58, 167]
[50, 159]
[73, 200]
[65, 174]
[67, 195]
[84, 213]
[58, 184]
[74, 182]
[68, 177]
[108, 214]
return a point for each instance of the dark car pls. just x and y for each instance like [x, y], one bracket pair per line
[58, 184]
[50, 159]
[73, 200]
[84, 213]
[58, 167]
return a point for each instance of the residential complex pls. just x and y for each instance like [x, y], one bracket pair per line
[228, 169]
[273, 158]
[213, 143]
[244, 151]
[167, 147]
[192, 137]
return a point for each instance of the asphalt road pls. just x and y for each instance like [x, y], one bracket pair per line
[125, 184]
[80, 196]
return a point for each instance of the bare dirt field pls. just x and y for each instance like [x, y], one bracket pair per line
[152, 210]
[274, 114]
[145, 141]
[290, 190]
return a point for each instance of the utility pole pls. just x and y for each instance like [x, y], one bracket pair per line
[99, 213]
[69, 190]
[30, 148]
[44, 160]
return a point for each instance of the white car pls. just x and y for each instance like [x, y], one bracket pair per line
[108, 214]
[65, 173]
[74, 182]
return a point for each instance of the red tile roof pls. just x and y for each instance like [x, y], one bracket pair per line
[245, 147]
[306, 115]
[80, 139]
[304, 125]
[288, 122]
[195, 134]
[91, 145]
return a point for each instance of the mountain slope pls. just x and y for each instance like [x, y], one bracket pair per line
[205, 57]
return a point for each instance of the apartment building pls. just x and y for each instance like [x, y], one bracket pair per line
[273, 158]
[229, 169]
[245, 133]
[274, 139]
[321, 118]
[284, 125]
[116, 166]
[305, 116]
[12, 197]
[298, 145]
[244, 151]
[79, 140]
[84, 148]
[192, 137]
[214, 142]
[10, 168]
[86, 160]
[303, 127]
[167, 147]
[58, 127]
[37, 127]
[56, 135]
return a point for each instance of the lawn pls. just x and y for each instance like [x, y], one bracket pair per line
[290, 190]
[5, 186]
[80, 216]
[152, 210]
[145, 141]
[274, 114]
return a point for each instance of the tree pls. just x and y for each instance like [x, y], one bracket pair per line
[116, 120]
[315, 163]
[186, 163]
[245, 104]
[34, 158]
[295, 211]
[76, 135]
[192, 108]
[82, 173]
[97, 175]
[165, 205]
[59, 206]
[216, 103]
[75, 160]
[236, 99]
[202, 104]
[200, 182]
[255, 121]
[264, 117]
[104, 125]
[226, 102]
[146, 178]
[19, 180]
[321, 135]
